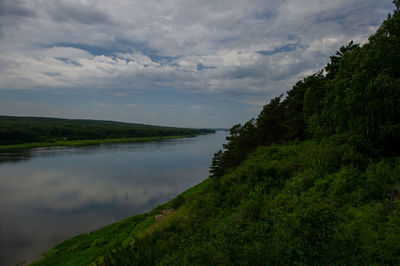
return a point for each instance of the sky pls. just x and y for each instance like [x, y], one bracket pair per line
[186, 63]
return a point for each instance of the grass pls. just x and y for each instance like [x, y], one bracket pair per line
[89, 248]
[84, 142]
[83, 249]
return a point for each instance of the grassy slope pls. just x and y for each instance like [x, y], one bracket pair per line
[89, 248]
[84, 142]
[306, 203]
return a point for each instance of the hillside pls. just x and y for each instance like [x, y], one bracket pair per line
[311, 203]
[313, 180]
[17, 130]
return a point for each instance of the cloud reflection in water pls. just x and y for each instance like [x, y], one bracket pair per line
[55, 193]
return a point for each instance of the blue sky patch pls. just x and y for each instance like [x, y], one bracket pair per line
[201, 67]
[92, 49]
[286, 48]
[68, 61]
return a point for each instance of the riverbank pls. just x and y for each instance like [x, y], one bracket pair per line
[98, 184]
[315, 199]
[84, 142]
[91, 248]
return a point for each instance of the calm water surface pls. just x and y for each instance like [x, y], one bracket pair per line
[50, 194]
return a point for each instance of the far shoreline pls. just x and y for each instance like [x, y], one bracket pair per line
[86, 142]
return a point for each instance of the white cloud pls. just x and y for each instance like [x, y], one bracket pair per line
[201, 46]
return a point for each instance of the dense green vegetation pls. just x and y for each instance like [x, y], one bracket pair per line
[313, 180]
[310, 203]
[358, 92]
[55, 131]
[315, 202]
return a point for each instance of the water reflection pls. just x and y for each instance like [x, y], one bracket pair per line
[50, 194]
[14, 156]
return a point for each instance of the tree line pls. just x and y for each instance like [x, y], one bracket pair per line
[15, 130]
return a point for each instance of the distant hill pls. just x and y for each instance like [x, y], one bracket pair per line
[15, 129]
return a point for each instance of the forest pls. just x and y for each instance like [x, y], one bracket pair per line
[313, 180]
[357, 93]
[14, 130]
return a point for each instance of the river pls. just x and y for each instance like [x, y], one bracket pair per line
[50, 194]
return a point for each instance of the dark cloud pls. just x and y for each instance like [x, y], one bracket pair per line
[63, 12]
[13, 12]
[15, 8]
[52, 74]
[246, 72]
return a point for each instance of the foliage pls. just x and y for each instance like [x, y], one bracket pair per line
[358, 92]
[311, 203]
[16, 130]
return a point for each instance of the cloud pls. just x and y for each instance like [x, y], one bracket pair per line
[130, 105]
[233, 49]
[13, 12]
[201, 107]
[256, 102]
[102, 105]
[15, 8]
[285, 48]
[67, 61]
[119, 94]
[75, 11]
[201, 67]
